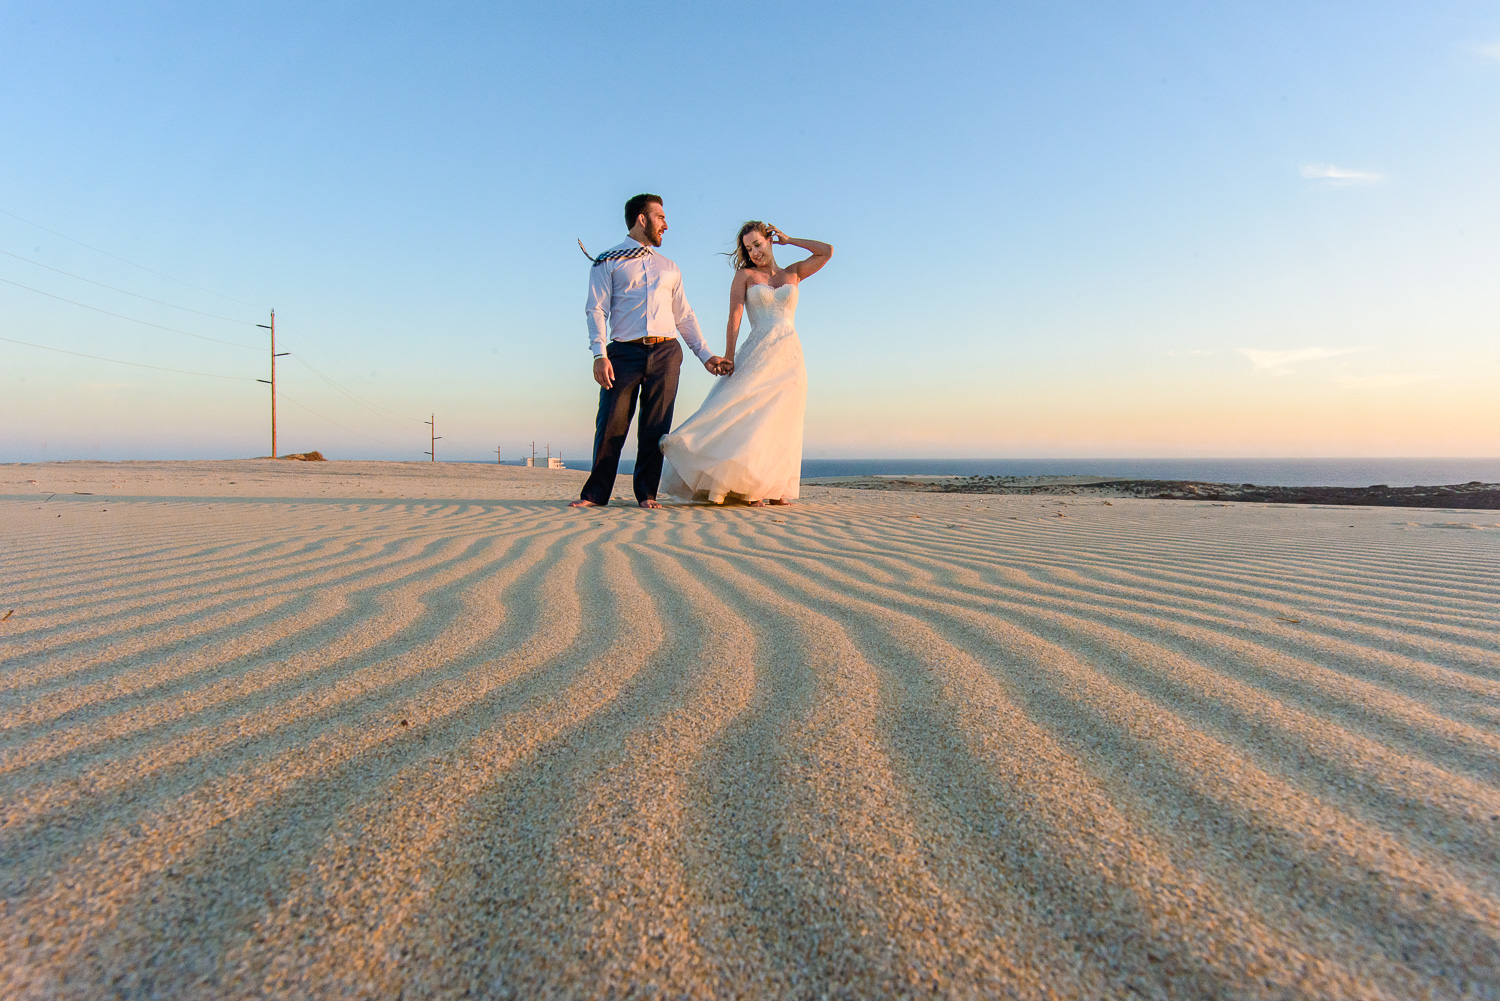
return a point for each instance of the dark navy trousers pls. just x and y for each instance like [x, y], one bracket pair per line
[650, 374]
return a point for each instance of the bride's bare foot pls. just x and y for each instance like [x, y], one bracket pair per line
[583, 503]
[778, 502]
[651, 502]
[759, 503]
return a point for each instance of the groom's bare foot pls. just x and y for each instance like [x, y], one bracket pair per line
[651, 502]
[583, 503]
[781, 503]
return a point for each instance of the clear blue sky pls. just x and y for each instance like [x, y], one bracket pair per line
[1061, 229]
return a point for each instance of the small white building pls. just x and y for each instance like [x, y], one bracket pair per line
[552, 462]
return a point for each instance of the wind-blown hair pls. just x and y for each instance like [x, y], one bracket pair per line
[737, 256]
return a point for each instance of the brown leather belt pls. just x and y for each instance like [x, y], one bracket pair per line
[650, 341]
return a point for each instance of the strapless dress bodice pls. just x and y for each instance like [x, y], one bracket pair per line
[768, 307]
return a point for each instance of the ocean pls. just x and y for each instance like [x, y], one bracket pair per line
[1332, 472]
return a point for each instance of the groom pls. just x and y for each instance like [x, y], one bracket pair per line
[635, 309]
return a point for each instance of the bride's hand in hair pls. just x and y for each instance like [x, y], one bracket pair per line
[778, 237]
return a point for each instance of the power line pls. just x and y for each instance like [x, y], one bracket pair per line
[122, 260]
[375, 408]
[147, 323]
[160, 302]
[208, 375]
[119, 361]
[336, 423]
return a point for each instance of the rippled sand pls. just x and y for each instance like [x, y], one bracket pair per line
[380, 730]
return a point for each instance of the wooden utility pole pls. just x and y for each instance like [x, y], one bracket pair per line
[272, 381]
[435, 436]
[497, 454]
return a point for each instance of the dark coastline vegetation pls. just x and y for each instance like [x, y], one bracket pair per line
[1472, 495]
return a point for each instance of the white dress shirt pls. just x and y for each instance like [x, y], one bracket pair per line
[640, 297]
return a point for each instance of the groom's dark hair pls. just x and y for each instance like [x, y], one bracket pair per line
[637, 205]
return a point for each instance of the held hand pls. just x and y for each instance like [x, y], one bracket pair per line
[718, 366]
[604, 372]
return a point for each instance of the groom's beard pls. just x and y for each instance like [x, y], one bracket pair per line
[653, 236]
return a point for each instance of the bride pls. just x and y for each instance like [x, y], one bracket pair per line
[745, 441]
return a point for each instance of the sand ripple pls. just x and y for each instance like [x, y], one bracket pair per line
[873, 745]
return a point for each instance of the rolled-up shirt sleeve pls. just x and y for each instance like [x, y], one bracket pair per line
[687, 322]
[596, 307]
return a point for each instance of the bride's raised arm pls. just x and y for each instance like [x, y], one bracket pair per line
[821, 252]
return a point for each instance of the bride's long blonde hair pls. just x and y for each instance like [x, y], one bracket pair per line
[737, 256]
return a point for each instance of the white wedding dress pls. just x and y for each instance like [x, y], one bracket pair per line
[745, 441]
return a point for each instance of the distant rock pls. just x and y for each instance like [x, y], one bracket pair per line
[299, 456]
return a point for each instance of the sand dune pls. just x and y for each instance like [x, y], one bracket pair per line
[380, 730]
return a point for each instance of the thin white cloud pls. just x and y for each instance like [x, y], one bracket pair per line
[1383, 381]
[1281, 362]
[1493, 51]
[1190, 353]
[1339, 176]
